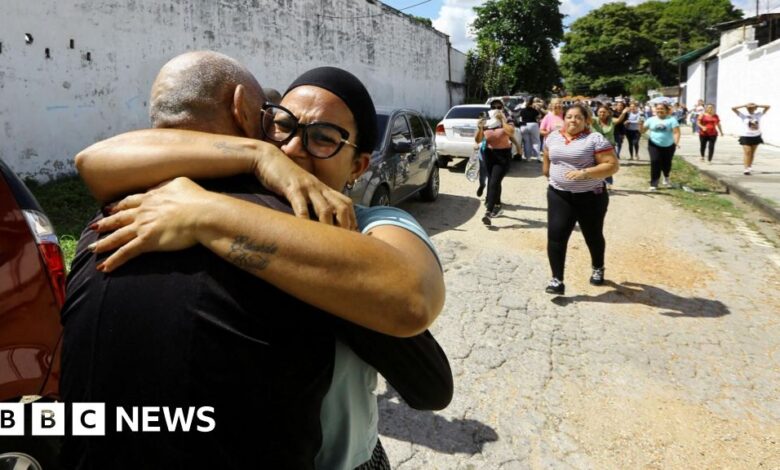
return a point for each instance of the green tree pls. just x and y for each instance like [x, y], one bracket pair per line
[523, 34]
[640, 84]
[486, 75]
[617, 45]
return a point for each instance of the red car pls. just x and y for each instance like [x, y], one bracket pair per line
[32, 290]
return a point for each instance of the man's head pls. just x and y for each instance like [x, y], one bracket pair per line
[209, 92]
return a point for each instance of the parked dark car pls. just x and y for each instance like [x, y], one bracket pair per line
[32, 290]
[403, 163]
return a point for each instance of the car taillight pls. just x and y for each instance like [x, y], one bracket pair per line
[49, 248]
[440, 129]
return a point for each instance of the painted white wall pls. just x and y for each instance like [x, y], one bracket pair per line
[695, 84]
[52, 108]
[747, 73]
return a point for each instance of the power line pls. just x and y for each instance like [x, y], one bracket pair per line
[373, 15]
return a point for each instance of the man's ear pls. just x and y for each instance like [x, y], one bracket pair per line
[241, 116]
[359, 165]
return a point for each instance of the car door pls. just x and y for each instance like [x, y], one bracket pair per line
[423, 152]
[399, 153]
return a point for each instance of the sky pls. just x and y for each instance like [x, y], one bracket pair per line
[453, 16]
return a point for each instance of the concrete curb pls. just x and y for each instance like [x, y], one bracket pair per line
[732, 185]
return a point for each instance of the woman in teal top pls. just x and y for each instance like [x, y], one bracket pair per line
[664, 140]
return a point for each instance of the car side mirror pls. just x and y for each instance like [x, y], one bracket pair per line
[402, 147]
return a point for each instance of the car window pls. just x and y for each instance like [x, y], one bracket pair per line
[381, 127]
[418, 128]
[470, 112]
[401, 132]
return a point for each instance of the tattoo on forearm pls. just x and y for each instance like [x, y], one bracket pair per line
[247, 254]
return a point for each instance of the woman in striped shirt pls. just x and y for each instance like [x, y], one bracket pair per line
[576, 161]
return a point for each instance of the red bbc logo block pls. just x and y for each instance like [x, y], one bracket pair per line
[11, 419]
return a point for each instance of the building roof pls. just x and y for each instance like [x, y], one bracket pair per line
[693, 55]
[750, 20]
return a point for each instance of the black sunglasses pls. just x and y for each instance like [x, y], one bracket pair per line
[320, 139]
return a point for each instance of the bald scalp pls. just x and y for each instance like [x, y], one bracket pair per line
[195, 90]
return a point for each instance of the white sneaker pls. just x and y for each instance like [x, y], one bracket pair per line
[652, 189]
[747, 171]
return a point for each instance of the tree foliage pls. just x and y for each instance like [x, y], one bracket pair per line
[616, 45]
[515, 38]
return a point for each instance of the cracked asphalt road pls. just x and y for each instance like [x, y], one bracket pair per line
[675, 363]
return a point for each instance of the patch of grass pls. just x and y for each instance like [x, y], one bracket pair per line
[708, 197]
[69, 206]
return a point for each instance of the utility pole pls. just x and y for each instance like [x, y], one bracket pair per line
[757, 1]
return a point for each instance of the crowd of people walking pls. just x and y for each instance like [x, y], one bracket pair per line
[581, 145]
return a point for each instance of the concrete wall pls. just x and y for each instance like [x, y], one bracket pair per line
[50, 108]
[694, 87]
[747, 73]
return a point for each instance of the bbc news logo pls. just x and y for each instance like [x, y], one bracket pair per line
[89, 419]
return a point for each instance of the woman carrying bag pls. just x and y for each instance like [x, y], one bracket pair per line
[498, 155]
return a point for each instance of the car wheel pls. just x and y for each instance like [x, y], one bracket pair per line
[442, 161]
[381, 197]
[431, 190]
[30, 453]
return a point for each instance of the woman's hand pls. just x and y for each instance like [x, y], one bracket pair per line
[577, 175]
[162, 219]
[281, 175]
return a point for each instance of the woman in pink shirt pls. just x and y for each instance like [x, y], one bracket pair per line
[497, 131]
[553, 121]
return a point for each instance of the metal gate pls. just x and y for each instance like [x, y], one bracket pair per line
[711, 81]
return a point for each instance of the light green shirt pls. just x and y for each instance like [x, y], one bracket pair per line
[349, 414]
[607, 130]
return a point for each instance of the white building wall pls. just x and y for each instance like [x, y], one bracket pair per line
[458, 66]
[51, 108]
[747, 73]
[694, 87]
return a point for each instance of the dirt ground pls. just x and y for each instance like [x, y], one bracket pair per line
[675, 363]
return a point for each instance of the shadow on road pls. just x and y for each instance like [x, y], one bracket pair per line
[447, 213]
[644, 294]
[426, 428]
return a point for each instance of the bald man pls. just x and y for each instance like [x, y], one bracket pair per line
[184, 330]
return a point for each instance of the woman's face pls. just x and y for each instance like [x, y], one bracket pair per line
[557, 108]
[575, 121]
[620, 107]
[603, 114]
[313, 104]
[633, 108]
[710, 109]
[661, 111]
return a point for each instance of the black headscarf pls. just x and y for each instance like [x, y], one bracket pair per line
[352, 92]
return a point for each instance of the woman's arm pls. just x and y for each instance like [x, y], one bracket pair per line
[720, 129]
[546, 162]
[387, 280]
[416, 367]
[621, 118]
[607, 164]
[676, 136]
[136, 161]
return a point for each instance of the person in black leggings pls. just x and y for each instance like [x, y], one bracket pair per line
[633, 129]
[576, 161]
[498, 155]
[664, 140]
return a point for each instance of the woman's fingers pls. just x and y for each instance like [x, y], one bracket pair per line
[114, 240]
[124, 254]
[114, 222]
[345, 211]
[134, 200]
